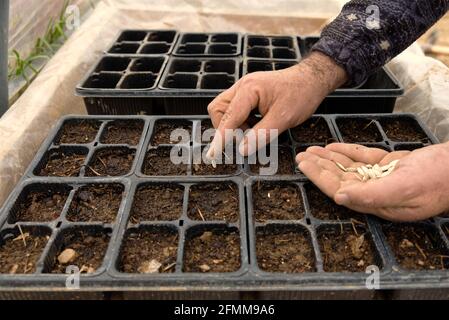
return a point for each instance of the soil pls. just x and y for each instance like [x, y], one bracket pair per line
[408, 147]
[214, 202]
[158, 163]
[90, 250]
[277, 202]
[111, 162]
[345, 250]
[123, 132]
[18, 258]
[206, 169]
[446, 230]
[143, 247]
[40, 206]
[206, 125]
[162, 202]
[403, 130]
[213, 251]
[324, 208]
[62, 164]
[163, 131]
[313, 131]
[78, 132]
[284, 250]
[286, 163]
[416, 248]
[96, 203]
[359, 130]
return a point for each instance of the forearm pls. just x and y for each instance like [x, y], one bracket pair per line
[354, 42]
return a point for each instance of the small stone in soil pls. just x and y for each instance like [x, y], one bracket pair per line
[158, 163]
[142, 247]
[324, 208]
[78, 132]
[346, 251]
[123, 132]
[90, 250]
[18, 258]
[223, 248]
[157, 202]
[40, 206]
[214, 202]
[111, 162]
[314, 130]
[67, 256]
[62, 164]
[163, 131]
[273, 201]
[96, 203]
[359, 130]
[284, 250]
[416, 248]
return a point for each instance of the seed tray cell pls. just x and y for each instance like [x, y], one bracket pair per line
[209, 44]
[234, 232]
[144, 42]
[271, 47]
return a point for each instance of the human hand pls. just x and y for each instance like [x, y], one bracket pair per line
[285, 99]
[417, 189]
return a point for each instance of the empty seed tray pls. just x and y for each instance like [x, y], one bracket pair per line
[209, 45]
[271, 47]
[144, 42]
[102, 198]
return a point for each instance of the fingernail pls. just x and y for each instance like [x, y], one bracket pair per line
[341, 198]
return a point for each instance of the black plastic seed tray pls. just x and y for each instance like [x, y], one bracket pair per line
[122, 84]
[209, 44]
[214, 236]
[271, 47]
[144, 42]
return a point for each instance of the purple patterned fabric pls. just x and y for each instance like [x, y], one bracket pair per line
[369, 33]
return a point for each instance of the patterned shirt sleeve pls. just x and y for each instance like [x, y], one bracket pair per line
[369, 33]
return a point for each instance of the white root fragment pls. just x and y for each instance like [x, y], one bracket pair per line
[369, 172]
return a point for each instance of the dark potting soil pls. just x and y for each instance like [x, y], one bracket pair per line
[344, 250]
[324, 208]
[207, 125]
[359, 130]
[214, 202]
[446, 230]
[163, 131]
[111, 162]
[158, 163]
[16, 257]
[223, 169]
[96, 203]
[416, 248]
[157, 202]
[90, 250]
[403, 130]
[285, 163]
[213, 251]
[141, 249]
[313, 131]
[40, 206]
[272, 201]
[62, 164]
[123, 132]
[78, 132]
[284, 250]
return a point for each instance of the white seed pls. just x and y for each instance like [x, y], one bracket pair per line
[148, 267]
[67, 256]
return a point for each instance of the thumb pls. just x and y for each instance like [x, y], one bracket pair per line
[370, 195]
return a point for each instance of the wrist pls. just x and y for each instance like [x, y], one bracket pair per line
[327, 73]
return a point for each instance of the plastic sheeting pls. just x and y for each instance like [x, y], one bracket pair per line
[51, 95]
